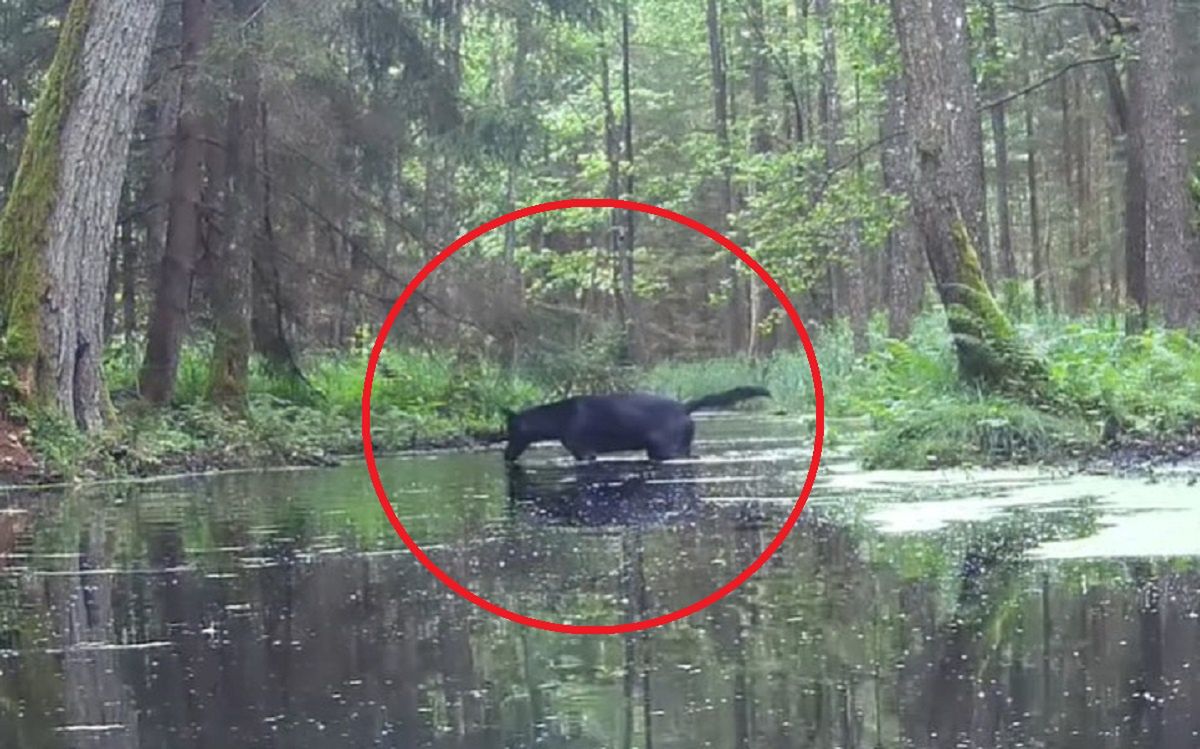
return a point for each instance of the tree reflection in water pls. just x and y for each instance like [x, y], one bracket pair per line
[288, 614]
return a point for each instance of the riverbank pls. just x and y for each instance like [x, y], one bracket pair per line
[908, 393]
[1130, 455]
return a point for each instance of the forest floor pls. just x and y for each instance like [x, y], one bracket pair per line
[916, 414]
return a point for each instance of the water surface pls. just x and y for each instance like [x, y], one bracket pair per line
[1001, 608]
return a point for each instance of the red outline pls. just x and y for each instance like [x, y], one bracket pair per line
[594, 629]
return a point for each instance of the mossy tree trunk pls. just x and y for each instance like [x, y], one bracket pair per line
[57, 229]
[948, 174]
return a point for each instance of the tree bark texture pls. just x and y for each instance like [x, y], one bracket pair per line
[904, 268]
[847, 271]
[999, 115]
[1172, 281]
[947, 177]
[634, 339]
[269, 313]
[1037, 267]
[235, 190]
[172, 294]
[58, 226]
[966, 136]
[759, 298]
[736, 312]
[1137, 299]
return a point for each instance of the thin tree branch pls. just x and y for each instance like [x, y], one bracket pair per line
[867, 148]
[1118, 26]
[379, 266]
[256, 13]
[414, 233]
[1049, 79]
[781, 68]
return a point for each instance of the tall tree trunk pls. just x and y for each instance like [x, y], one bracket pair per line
[1118, 127]
[948, 177]
[848, 273]
[57, 228]
[518, 101]
[241, 200]
[114, 279]
[905, 273]
[966, 143]
[129, 278]
[736, 313]
[634, 339]
[172, 294]
[760, 301]
[166, 124]
[269, 313]
[1082, 279]
[1067, 170]
[612, 150]
[1136, 287]
[1035, 226]
[1008, 261]
[1172, 273]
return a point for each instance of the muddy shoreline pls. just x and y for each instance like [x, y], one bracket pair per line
[26, 470]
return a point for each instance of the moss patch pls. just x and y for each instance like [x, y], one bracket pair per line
[989, 350]
[26, 215]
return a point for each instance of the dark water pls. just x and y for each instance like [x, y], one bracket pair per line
[281, 610]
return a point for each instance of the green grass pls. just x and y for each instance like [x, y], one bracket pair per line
[418, 399]
[920, 414]
[974, 430]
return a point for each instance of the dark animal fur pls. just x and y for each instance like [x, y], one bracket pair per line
[591, 425]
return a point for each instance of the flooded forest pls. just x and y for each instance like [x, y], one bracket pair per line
[359, 357]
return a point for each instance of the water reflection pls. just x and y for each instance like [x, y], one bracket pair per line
[281, 610]
[609, 493]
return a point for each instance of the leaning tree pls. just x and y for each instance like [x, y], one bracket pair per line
[947, 189]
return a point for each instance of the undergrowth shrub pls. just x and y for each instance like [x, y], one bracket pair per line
[909, 391]
[973, 431]
[561, 368]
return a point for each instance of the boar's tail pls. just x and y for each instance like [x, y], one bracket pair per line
[727, 398]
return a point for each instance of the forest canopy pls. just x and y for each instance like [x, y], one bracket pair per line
[290, 165]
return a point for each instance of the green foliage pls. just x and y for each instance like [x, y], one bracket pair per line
[419, 399]
[923, 414]
[973, 430]
[1150, 382]
[799, 215]
[593, 365]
